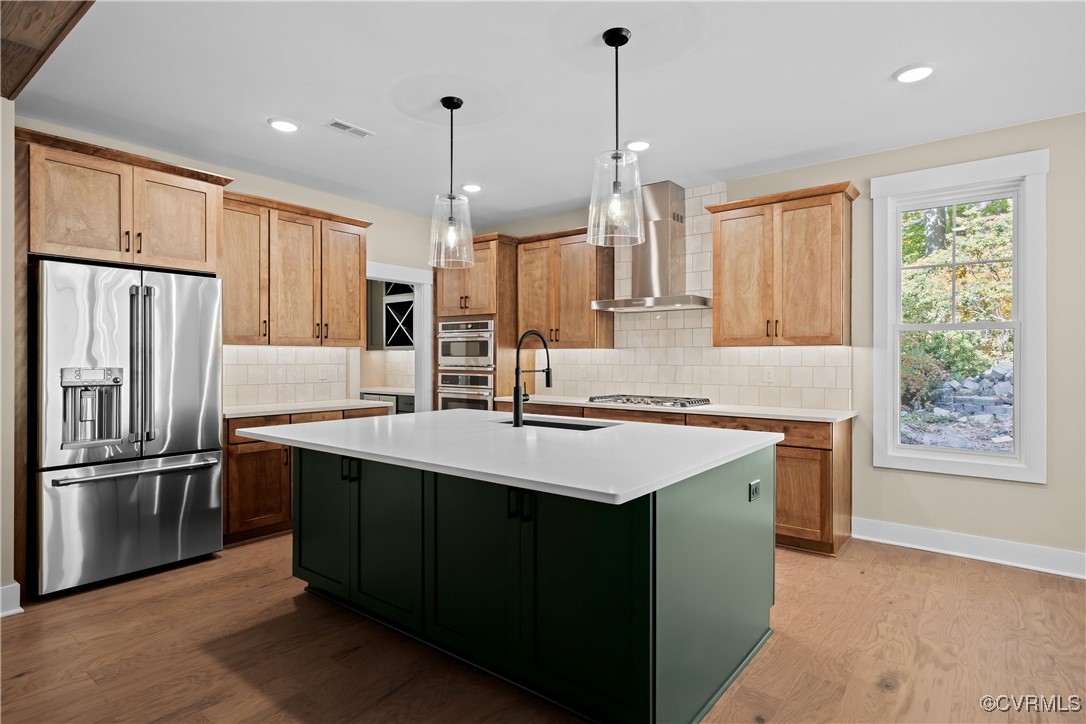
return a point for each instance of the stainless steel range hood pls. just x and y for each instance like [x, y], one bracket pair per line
[658, 267]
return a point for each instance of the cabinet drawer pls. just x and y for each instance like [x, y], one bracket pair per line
[317, 416]
[667, 418]
[235, 424]
[538, 408]
[365, 412]
[817, 435]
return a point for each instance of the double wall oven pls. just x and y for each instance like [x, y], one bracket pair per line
[465, 359]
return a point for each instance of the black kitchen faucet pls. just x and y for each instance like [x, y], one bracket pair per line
[518, 395]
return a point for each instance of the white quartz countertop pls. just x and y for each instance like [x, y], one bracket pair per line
[289, 408]
[770, 413]
[387, 391]
[614, 464]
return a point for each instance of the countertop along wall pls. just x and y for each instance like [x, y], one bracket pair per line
[1046, 515]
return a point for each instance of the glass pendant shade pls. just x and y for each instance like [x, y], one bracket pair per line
[614, 216]
[452, 243]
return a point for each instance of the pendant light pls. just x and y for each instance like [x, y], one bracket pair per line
[614, 216]
[451, 238]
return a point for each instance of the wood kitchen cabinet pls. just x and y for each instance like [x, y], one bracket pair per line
[96, 207]
[814, 479]
[291, 276]
[257, 489]
[782, 268]
[474, 290]
[559, 275]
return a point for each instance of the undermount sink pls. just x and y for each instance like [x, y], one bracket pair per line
[579, 426]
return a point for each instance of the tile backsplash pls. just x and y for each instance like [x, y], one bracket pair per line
[400, 368]
[671, 353]
[266, 375]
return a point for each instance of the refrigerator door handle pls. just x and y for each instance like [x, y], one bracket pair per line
[149, 363]
[135, 354]
[62, 482]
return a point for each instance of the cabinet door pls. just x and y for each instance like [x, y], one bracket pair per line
[257, 485]
[808, 272]
[586, 597]
[386, 545]
[743, 277]
[178, 221]
[804, 487]
[295, 257]
[575, 288]
[535, 271]
[243, 268]
[343, 284]
[472, 568]
[450, 292]
[322, 520]
[80, 206]
[479, 288]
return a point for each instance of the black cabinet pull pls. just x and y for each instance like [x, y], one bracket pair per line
[776, 328]
[326, 330]
[286, 458]
[344, 468]
[356, 466]
[466, 305]
[128, 241]
[265, 328]
[318, 333]
[526, 506]
[139, 242]
[557, 337]
[513, 499]
[767, 327]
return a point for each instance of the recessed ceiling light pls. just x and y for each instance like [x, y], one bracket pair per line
[914, 72]
[282, 125]
[638, 145]
[472, 188]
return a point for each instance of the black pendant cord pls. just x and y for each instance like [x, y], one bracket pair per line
[616, 97]
[451, 152]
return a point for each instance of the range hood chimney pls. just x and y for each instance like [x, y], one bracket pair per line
[658, 267]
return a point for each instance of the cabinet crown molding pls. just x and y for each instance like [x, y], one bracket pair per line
[845, 187]
[112, 154]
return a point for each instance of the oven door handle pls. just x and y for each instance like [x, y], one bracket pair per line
[472, 393]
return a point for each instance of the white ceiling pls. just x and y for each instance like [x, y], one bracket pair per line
[723, 90]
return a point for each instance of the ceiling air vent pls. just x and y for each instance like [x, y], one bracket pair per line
[356, 131]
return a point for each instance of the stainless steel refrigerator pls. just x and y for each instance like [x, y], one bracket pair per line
[129, 458]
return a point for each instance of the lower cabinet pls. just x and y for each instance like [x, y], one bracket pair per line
[258, 486]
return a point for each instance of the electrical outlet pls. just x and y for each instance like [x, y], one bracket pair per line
[322, 373]
[769, 375]
[754, 490]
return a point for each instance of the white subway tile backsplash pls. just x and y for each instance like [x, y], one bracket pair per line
[838, 356]
[247, 355]
[257, 374]
[838, 399]
[814, 397]
[814, 357]
[825, 377]
[266, 355]
[791, 356]
[266, 375]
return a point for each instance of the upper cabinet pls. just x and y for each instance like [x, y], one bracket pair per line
[291, 277]
[558, 277]
[782, 268]
[100, 208]
[474, 290]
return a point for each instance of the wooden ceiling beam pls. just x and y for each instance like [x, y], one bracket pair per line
[30, 30]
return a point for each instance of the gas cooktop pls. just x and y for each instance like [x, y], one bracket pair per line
[655, 400]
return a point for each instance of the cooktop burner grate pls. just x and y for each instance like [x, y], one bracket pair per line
[655, 400]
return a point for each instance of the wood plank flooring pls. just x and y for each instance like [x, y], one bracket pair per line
[879, 634]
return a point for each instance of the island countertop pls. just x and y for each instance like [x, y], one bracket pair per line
[614, 464]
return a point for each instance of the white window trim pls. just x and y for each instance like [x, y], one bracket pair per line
[1026, 174]
[423, 328]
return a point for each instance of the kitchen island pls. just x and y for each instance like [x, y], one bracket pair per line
[623, 570]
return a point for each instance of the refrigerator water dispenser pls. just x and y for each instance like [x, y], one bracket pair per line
[92, 406]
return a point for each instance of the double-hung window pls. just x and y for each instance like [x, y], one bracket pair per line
[959, 358]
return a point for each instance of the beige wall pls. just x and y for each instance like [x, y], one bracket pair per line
[7, 339]
[395, 237]
[1048, 515]
[541, 225]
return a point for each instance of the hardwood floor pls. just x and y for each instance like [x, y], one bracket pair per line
[879, 634]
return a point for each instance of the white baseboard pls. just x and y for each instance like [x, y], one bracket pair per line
[9, 600]
[1020, 555]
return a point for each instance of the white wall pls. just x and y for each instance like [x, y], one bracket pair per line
[1047, 515]
[8, 588]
